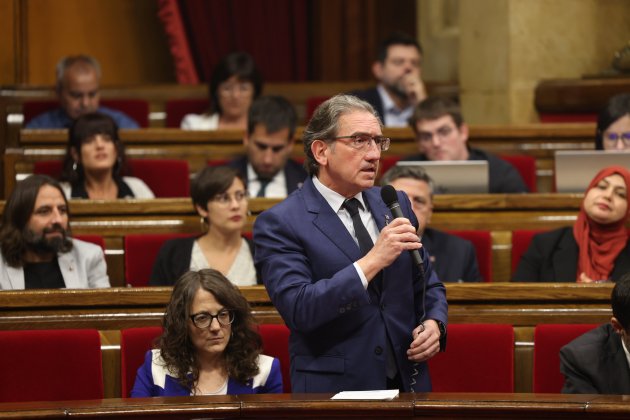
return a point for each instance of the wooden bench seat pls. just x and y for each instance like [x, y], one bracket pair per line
[110, 310]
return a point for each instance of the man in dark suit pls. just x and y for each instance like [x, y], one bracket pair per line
[267, 168]
[361, 314]
[598, 362]
[442, 134]
[453, 258]
[398, 69]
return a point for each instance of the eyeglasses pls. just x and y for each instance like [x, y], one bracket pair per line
[225, 198]
[613, 138]
[231, 88]
[427, 136]
[362, 141]
[204, 319]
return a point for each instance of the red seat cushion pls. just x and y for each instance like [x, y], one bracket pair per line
[176, 110]
[526, 167]
[478, 358]
[548, 340]
[50, 365]
[312, 103]
[138, 109]
[548, 117]
[482, 240]
[276, 343]
[94, 239]
[520, 242]
[134, 343]
[165, 177]
[140, 254]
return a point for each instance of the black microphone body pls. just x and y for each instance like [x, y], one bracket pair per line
[389, 197]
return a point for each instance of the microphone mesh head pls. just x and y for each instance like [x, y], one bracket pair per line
[388, 195]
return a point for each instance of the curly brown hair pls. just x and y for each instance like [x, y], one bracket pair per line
[175, 345]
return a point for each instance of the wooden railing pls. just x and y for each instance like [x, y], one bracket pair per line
[299, 406]
[537, 140]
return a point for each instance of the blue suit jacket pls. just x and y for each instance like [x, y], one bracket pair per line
[339, 330]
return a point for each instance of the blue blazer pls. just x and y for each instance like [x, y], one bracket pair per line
[339, 330]
[155, 380]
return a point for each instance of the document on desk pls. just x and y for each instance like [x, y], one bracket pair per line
[381, 395]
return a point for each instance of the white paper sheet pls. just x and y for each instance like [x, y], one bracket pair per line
[383, 395]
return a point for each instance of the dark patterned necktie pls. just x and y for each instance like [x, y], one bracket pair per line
[364, 238]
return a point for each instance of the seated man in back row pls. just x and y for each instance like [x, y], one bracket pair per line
[398, 69]
[78, 78]
[598, 362]
[453, 258]
[267, 168]
[441, 134]
[36, 250]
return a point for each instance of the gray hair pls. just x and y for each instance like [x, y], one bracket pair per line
[414, 172]
[66, 62]
[324, 123]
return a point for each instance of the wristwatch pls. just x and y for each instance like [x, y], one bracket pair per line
[442, 329]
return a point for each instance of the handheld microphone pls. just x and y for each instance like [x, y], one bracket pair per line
[389, 197]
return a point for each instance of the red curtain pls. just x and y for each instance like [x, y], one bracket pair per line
[274, 32]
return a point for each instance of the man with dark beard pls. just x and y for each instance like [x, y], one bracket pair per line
[398, 69]
[36, 251]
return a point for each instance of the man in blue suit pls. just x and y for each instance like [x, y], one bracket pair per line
[361, 316]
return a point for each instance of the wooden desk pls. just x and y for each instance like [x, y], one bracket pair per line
[289, 406]
[588, 95]
[497, 213]
[537, 140]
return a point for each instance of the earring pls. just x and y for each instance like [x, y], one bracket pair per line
[203, 223]
[74, 166]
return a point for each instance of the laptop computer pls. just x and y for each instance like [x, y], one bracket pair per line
[455, 176]
[574, 169]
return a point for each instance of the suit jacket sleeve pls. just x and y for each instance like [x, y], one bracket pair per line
[530, 265]
[143, 385]
[96, 268]
[172, 261]
[575, 381]
[471, 268]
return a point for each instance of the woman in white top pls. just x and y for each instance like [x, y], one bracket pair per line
[234, 85]
[95, 160]
[220, 197]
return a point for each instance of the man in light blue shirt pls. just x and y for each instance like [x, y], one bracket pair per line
[78, 79]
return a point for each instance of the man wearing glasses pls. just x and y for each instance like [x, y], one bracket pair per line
[269, 142]
[441, 134]
[336, 266]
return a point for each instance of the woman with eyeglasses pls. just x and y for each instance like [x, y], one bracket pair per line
[209, 344]
[234, 84]
[220, 198]
[613, 124]
[595, 248]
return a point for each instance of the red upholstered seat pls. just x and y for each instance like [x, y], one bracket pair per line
[520, 242]
[276, 343]
[94, 239]
[478, 358]
[387, 162]
[50, 365]
[482, 240]
[526, 166]
[165, 177]
[312, 103]
[140, 254]
[134, 343]
[548, 340]
[176, 110]
[548, 117]
[138, 109]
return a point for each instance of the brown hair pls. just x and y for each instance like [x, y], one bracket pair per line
[17, 213]
[175, 345]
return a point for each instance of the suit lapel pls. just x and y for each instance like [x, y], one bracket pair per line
[16, 277]
[69, 270]
[328, 222]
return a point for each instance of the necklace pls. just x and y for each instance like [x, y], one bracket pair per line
[222, 390]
